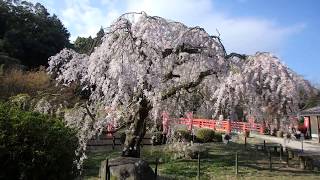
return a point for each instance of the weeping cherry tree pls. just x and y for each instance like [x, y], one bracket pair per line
[148, 64]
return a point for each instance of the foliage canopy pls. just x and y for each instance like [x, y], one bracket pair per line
[29, 33]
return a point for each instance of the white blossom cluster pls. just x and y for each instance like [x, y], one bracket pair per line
[152, 55]
[261, 84]
[68, 66]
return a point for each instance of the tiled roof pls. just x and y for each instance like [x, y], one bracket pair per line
[311, 111]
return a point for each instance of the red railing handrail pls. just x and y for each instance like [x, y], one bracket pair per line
[224, 125]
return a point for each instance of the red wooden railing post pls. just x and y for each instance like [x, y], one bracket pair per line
[228, 128]
[262, 127]
[244, 127]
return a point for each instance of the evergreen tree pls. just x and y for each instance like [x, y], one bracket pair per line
[29, 33]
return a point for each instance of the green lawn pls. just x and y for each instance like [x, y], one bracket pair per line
[218, 165]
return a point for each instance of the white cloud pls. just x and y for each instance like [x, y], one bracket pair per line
[83, 19]
[239, 34]
[249, 35]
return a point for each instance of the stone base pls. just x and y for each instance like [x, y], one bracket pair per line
[127, 168]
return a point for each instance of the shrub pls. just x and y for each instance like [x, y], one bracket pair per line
[156, 138]
[182, 135]
[21, 101]
[217, 137]
[246, 133]
[279, 133]
[122, 137]
[266, 131]
[35, 146]
[227, 137]
[273, 132]
[205, 135]
[288, 135]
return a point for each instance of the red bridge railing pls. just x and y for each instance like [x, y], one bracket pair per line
[223, 126]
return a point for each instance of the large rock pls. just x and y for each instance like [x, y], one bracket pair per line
[193, 151]
[128, 168]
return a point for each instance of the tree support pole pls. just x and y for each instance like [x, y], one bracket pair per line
[236, 164]
[198, 176]
[281, 152]
[107, 170]
[156, 169]
[245, 143]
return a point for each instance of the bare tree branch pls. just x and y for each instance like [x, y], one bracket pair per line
[188, 85]
[92, 116]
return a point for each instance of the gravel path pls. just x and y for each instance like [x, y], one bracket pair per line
[307, 147]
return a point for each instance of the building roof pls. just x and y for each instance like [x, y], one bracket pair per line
[315, 111]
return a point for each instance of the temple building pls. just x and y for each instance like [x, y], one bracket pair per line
[312, 121]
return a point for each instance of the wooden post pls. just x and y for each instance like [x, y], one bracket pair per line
[236, 163]
[156, 169]
[287, 152]
[113, 142]
[198, 177]
[107, 170]
[245, 142]
[270, 161]
[281, 152]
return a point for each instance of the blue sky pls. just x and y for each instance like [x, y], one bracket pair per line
[287, 28]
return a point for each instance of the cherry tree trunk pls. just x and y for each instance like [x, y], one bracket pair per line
[136, 131]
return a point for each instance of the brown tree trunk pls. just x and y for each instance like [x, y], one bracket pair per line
[278, 122]
[136, 130]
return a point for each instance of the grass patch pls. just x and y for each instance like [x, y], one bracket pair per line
[91, 165]
[218, 165]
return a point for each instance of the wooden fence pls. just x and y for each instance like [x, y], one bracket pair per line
[114, 140]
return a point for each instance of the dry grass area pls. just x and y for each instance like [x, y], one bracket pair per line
[37, 84]
[218, 165]
[17, 81]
